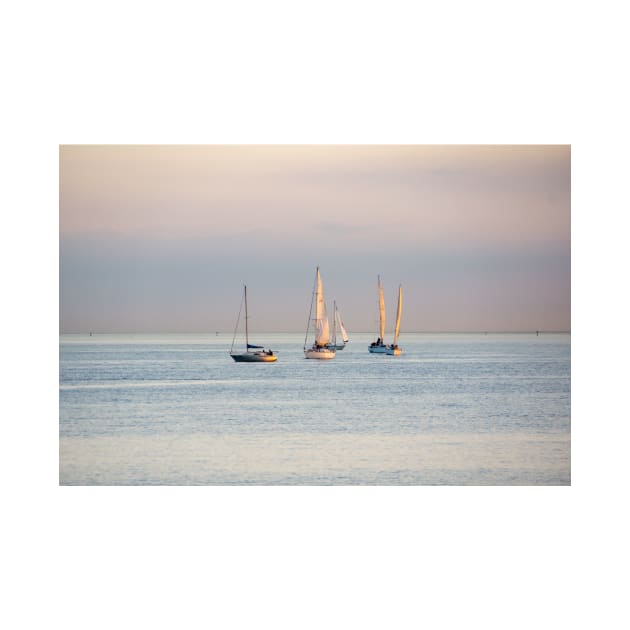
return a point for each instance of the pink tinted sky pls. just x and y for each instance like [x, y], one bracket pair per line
[160, 238]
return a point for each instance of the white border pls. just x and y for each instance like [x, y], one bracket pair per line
[450, 72]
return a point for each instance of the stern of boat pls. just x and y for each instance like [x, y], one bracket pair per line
[319, 353]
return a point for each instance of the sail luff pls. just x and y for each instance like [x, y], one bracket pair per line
[310, 310]
[322, 325]
[398, 315]
[342, 328]
[381, 305]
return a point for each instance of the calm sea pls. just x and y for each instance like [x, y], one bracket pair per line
[463, 409]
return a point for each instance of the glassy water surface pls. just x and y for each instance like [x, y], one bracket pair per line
[453, 409]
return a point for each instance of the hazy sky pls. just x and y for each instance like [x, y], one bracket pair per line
[161, 238]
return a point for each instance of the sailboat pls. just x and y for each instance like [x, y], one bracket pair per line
[253, 353]
[379, 346]
[394, 349]
[338, 325]
[321, 325]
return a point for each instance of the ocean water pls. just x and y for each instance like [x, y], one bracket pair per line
[454, 409]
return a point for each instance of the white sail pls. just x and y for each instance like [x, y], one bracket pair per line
[398, 315]
[322, 326]
[344, 334]
[381, 308]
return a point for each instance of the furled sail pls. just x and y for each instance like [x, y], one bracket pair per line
[381, 308]
[398, 314]
[322, 326]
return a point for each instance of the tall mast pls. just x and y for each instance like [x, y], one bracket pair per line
[246, 334]
[317, 283]
[334, 323]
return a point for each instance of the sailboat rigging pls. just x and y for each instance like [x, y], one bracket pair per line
[394, 349]
[253, 353]
[321, 326]
[379, 346]
[338, 325]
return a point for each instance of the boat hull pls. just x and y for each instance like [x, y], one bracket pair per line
[377, 349]
[254, 357]
[319, 353]
[394, 351]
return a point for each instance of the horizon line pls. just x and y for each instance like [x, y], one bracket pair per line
[284, 332]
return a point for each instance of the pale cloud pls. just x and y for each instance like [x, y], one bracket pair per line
[491, 193]
[140, 224]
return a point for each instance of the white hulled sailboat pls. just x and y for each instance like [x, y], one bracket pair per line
[394, 349]
[321, 326]
[253, 353]
[379, 346]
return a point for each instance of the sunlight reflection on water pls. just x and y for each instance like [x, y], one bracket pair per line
[454, 409]
[316, 459]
